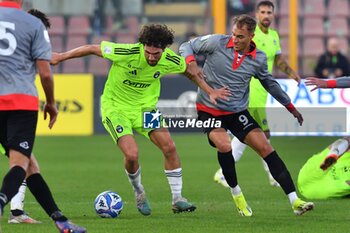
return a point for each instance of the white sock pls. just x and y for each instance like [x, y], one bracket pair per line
[175, 182]
[339, 147]
[236, 190]
[135, 181]
[17, 202]
[292, 197]
[237, 149]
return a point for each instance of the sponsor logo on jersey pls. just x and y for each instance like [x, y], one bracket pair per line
[24, 145]
[119, 129]
[133, 72]
[136, 84]
[264, 121]
[107, 50]
[156, 74]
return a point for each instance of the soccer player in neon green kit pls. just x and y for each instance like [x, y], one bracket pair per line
[133, 85]
[267, 40]
[327, 173]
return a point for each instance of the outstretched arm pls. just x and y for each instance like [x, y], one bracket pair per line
[93, 49]
[284, 67]
[342, 82]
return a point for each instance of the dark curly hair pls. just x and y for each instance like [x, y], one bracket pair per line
[40, 15]
[156, 35]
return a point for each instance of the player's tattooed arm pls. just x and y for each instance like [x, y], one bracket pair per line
[284, 67]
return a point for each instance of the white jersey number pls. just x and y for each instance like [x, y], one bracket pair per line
[12, 43]
[243, 119]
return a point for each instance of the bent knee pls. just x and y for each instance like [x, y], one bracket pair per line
[224, 147]
[168, 148]
[265, 150]
[131, 155]
[32, 169]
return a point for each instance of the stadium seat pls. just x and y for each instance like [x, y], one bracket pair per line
[76, 65]
[283, 26]
[98, 66]
[313, 26]
[79, 25]
[308, 66]
[338, 8]
[284, 8]
[337, 26]
[58, 26]
[57, 46]
[314, 8]
[98, 39]
[125, 37]
[132, 24]
[175, 9]
[57, 43]
[284, 42]
[75, 41]
[313, 46]
[180, 28]
[72, 66]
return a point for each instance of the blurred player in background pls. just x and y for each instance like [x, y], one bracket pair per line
[267, 40]
[327, 173]
[232, 60]
[25, 47]
[133, 87]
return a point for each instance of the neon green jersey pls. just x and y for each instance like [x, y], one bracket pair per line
[132, 83]
[269, 43]
[315, 183]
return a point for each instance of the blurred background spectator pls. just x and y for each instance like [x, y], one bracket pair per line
[99, 19]
[237, 7]
[332, 63]
[80, 21]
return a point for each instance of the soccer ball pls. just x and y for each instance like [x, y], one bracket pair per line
[108, 204]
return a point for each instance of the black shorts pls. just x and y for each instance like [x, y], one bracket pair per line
[240, 124]
[17, 130]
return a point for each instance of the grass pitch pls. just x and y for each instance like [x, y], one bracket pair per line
[79, 168]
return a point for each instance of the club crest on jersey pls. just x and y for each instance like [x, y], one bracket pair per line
[264, 121]
[133, 72]
[156, 74]
[119, 129]
[107, 50]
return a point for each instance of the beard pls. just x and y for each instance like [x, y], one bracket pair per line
[266, 23]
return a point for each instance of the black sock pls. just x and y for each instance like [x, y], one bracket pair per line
[10, 184]
[279, 172]
[17, 212]
[42, 193]
[227, 164]
[58, 216]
